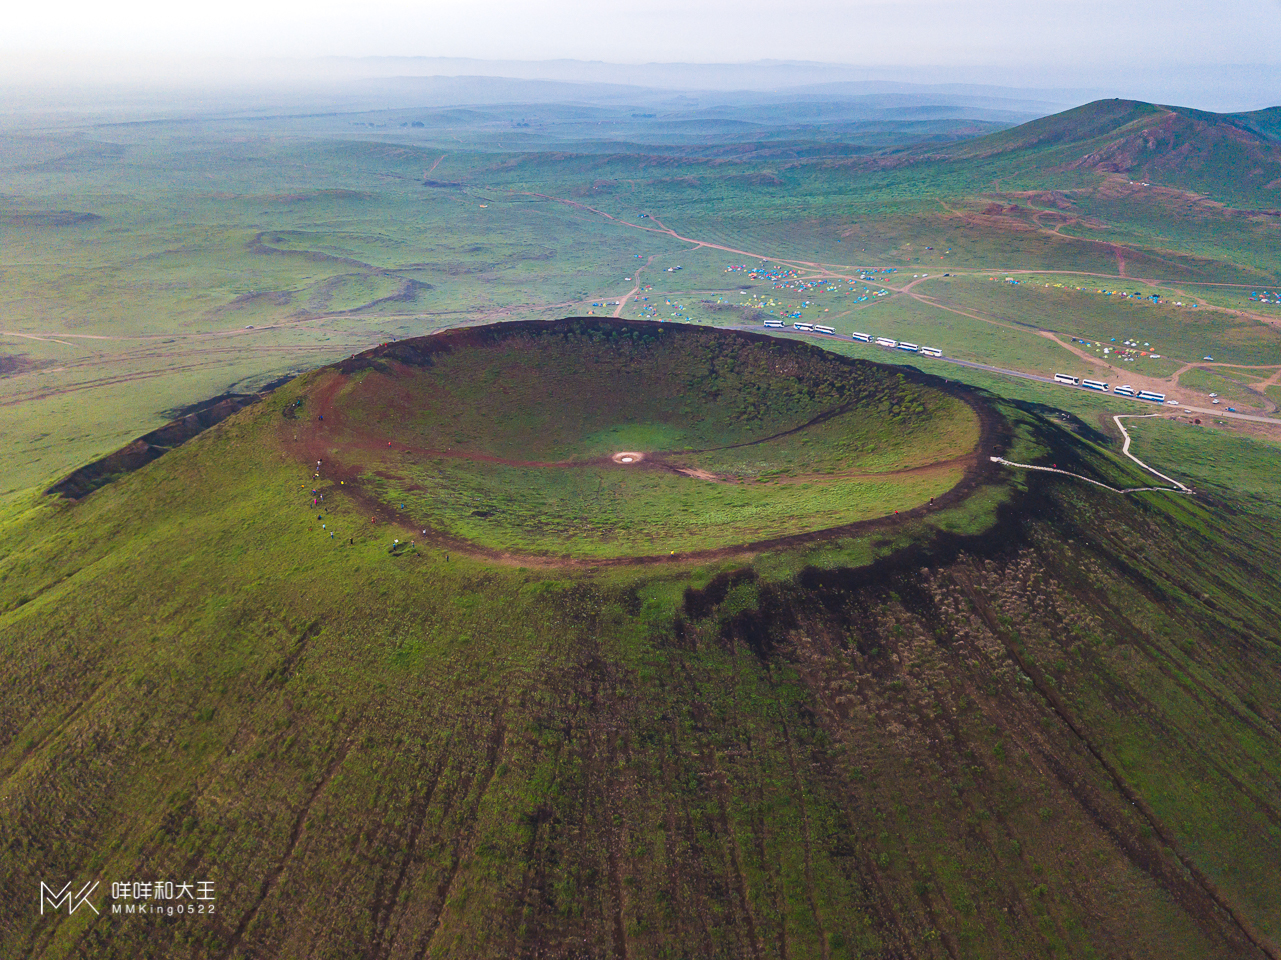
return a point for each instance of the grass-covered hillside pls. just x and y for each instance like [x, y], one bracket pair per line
[1041, 722]
[1237, 155]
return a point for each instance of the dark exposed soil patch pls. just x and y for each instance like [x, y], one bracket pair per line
[756, 179]
[12, 364]
[189, 422]
[202, 406]
[271, 298]
[263, 243]
[751, 315]
[407, 293]
[319, 195]
[51, 218]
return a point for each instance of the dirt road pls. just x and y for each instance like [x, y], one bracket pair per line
[618, 312]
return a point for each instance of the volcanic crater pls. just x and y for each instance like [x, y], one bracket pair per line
[593, 439]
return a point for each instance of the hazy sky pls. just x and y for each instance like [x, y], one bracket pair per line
[1138, 33]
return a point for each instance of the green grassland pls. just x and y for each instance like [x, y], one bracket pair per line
[1181, 333]
[1180, 237]
[1231, 389]
[1249, 375]
[327, 240]
[1235, 298]
[597, 513]
[959, 335]
[875, 438]
[1040, 721]
[1239, 469]
[158, 293]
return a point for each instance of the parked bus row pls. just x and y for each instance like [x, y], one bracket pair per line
[1125, 390]
[774, 324]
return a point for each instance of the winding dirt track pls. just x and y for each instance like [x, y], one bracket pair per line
[810, 268]
[314, 442]
[618, 312]
[845, 271]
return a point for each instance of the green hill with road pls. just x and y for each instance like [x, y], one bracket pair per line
[514, 622]
[1039, 720]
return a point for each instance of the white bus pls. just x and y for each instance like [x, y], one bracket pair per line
[819, 328]
[807, 327]
[1124, 390]
[1095, 385]
[1065, 378]
[910, 347]
[1151, 395]
[886, 342]
[931, 352]
[774, 324]
[865, 338]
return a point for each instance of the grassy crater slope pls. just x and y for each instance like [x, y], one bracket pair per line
[511, 437]
[1051, 732]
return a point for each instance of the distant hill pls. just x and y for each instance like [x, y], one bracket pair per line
[1234, 155]
[1081, 125]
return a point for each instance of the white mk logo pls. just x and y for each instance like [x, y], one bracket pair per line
[73, 901]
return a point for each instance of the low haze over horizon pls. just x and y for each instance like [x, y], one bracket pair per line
[1214, 56]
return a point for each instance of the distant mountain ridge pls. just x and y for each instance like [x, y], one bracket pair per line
[1238, 154]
